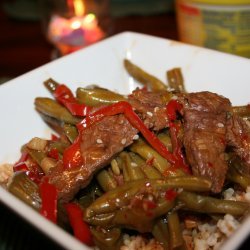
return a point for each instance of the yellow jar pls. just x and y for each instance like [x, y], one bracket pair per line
[217, 24]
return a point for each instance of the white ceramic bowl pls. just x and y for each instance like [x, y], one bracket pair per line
[101, 64]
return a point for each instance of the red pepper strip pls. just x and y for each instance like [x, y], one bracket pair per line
[72, 155]
[48, 193]
[35, 174]
[53, 153]
[170, 194]
[135, 121]
[20, 167]
[54, 137]
[20, 164]
[64, 95]
[172, 108]
[80, 228]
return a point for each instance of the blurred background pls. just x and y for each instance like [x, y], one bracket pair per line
[34, 32]
[24, 24]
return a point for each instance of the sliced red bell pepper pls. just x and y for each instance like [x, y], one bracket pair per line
[20, 165]
[170, 194]
[53, 153]
[80, 228]
[48, 193]
[135, 121]
[54, 137]
[72, 155]
[64, 96]
[172, 108]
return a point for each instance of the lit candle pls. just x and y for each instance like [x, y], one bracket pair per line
[71, 34]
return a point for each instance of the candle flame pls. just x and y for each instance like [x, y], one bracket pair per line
[76, 24]
[79, 7]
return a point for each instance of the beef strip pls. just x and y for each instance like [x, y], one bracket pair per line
[238, 137]
[151, 107]
[99, 144]
[205, 115]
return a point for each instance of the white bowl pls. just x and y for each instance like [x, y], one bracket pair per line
[101, 64]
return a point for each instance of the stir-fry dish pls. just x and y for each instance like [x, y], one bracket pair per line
[159, 168]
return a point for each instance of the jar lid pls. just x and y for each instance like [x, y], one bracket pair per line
[223, 2]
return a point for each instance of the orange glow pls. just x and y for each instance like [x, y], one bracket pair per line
[76, 24]
[90, 21]
[79, 7]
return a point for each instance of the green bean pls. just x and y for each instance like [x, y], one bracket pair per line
[175, 234]
[145, 151]
[142, 221]
[165, 139]
[106, 239]
[161, 233]
[98, 96]
[70, 131]
[143, 77]
[163, 206]
[51, 85]
[175, 79]
[25, 189]
[36, 155]
[122, 195]
[53, 109]
[205, 204]
[106, 180]
[101, 219]
[235, 176]
[89, 194]
[238, 164]
[130, 169]
[58, 145]
[149, 171]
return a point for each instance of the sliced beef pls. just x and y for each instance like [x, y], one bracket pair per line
[205, 115]
[99, 144]
[151, 107]
[238, 137]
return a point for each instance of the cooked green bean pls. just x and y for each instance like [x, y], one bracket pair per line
[131, 170]
[53, 109]
[36, 155]
[122, 195]
[175, 79]
[106, 239]
[148, 153]
[143, 77]
[58, 145]
[51, 85]
[98, 96]
[102, 220]
[149, 171]
[175, 234]
[206, 204]
[161, 233]
[106, 180]
[25, 189]
[235, 176]
[70, 131]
